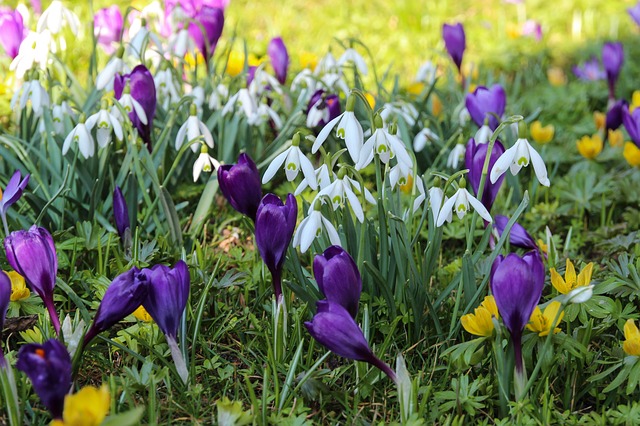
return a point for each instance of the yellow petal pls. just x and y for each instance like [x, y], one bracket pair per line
[536, 322]
[631, 153]
[489, 303]
[590, 147]
[142, 314]
[631, 347]
[631, 330]
[19, 288]
[616, 137]
[479, 323]
[570, 274]
[584, 278]
[541, 134]
[88, 407]
[308, 60]
[558, 282]
[550, 313]
[599, 119]
[436, 106]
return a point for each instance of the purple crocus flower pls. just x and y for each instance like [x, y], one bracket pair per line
[516, 285]
[143, 90]
[338, 278]
[48, 366]
[612, 59]
[125, 294]
[322, 108]
[631, 121]
[455, 42]
[5, 297]
[32, 254]
[275, 223]
[12, 31]
[334, 328]
[615, 114]
[121, 213]
[13, 191]
[634, 12]
[279, 58]
[532, 28]
[474, 161]
[518, 236]
[240, 184]
[107, 27]
[487, 104]
[212, 21]
[590, 70]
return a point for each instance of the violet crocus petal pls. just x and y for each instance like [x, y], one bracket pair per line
[612, 59]
[212, 21]
[518, 236]
[454, 42]
[107, 27]
[143, 90]
[331, 102]
[48, 366]
[487, 103]
[516, 285]
[120, 212]
[279, 58]
[631, 121]
[13, 191]
[12, 31]
[240, 184]
[167, 295]
[5, 297]
[32, 254]
[474, 161]
[338, 278]
[275, 223]
[634, 12]
[615, 114]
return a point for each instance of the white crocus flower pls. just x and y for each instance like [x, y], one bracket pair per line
[116, 65]
[456, 155]
[346, 187]
[34, 49]
[483, 134]
[460, 204]
[166, 87]
[107, 123]
[130, 104]
[311, 227]
[327, 64]
[54, 16]
[294, 160]
[82, 136]
[31, 92]
[427, 73]
[204, 163]
[351, 55]
[322, 177]
[347, 127]
[385, 144]
[423, 137]
[407, 111]
[436, 200]
[218, 95]
[193, 129]
[518, 156]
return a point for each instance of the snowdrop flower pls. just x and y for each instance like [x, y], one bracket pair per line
[311, 227]
[436, 201]
[427, 73]
[116, 65]
[347, 127]
[399, 174]
[138, 37]
[193, 129]
[322, 177]
[423, 137]
[483, 134]
[463, 115]
[304, 79]
[456, 155]
[58, 112]
[419, 186]
[263, 80]
[54, 16]
[197, 94]
[460, 204]
[327, 64]
[179, 43]
[107, 123]
[129, 104]
[80, 135]
[32, 91]
[218, 95]
[262, 114]
[518, 156]
[343, 187]
[407, 111]
[166, 87]
[351, 55]
[34, 49]
[335, 81]
[293, 160]
[242, 99]
[384, 143]
[204, 163]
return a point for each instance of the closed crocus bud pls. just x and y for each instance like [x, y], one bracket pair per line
[143, 90]
[48, 366]
[167, 295]
[455, 42]
[487, 103]
[474, 161]
[338, 278]
[612, 59]
[5, 297]
[634, 12]
[240, 184]
[212, 21]
[631, 121]
[279, 58]
[13, 191]
[518, 236]
[107, 27]
[334, 328]
[275, 223]
[121, 213]
[614, 115]
[32, 254]
[126, 292]
[12, 31]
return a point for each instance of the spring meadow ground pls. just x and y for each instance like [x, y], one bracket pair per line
[236, 213]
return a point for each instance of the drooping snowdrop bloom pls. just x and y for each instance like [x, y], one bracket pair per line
[34, 49]
[417, 202]
[384, 143]
[483, 134]
[55, 16]
[263, 113]
[294, 160]
[107, 123]
[131, 105]
[347, 127]
[262, 81]
[460, 202]
[218, 95]
[193, 129]
[304, 79]
[166, 87]
[139, 37]
[116, 65]
[399, 174]
[327, 64]
[58, 114]
[436, 200]
[456, 155]
[518, 156]
[322, 177]
[334, 81]
[33, 92]
[427, 73]
[243, 99]
[204, 163]
[343, 187]
[312, 226]
[180, 43]
[82, 136]
[400, 109]
[351, 55]
[423, 137]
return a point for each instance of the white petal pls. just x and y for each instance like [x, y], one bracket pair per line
[67, 141]
[308, 171]
[324, 133]
[292, 163]
[479, 207]
[420, 141]
[366, 153]
[539, 167]
[142, 116]
[461, 201]
[85, 141]
[400, 150]
[353, 137]
[446, 209]
[331, 231]
[274, 166]
[310, 231]
[206, 134]
[182, 132]
[503, 163]
[117, 127]
[198, 166]
[103, 136]
[355, 203]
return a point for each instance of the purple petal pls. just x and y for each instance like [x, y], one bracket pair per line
[168, 295]
[338, 278]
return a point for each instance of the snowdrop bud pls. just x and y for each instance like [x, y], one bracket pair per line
[351, 103]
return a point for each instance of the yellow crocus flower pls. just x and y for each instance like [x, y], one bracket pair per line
[88, 407]
[631, 154]
[19, 289]
[541, 321]
[616, 138]
[590, 146]
[556, 76]
[631, 345]
[599, 119]
[571, 281]
[480, 322]
[142, 314]
[541, 134]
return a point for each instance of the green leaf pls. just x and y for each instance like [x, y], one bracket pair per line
[129, 418]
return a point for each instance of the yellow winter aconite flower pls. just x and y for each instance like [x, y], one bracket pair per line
[513, 30]
[631, 154]
[308, 60]
[436, 106]
[479, 322]
[542, 134]
[616, 137]
[590, 146]
[416, 88]
[88, 407]
[635, 101]
[556, 76]
[192, 61]
[541, 321]
[235, 64]
[631, 345]
[571, 281]
[543, 246]
[142, 314]
[370, 99]
[19, 289]
[599, 119]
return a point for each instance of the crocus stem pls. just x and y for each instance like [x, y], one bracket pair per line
[520, 373]
[385, 368]
[55, 321]
[276, 277]
[176, 354]
[4, 223]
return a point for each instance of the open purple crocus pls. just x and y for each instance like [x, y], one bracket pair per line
[590, 70]
[12, 31]
[107, 27]
[487, 104]
[474, 161]
[455, 42]
[240, 184]
[518, 236]
[143, 90]
[279, 58]
[338, 278]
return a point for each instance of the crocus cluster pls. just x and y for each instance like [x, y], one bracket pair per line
[141, 87]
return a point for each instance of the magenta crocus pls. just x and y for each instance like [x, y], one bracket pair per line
[455, 42]
[211, 19]
[334, 328]
[631, 121]
[241, 186]
[143, 90]
[612, 59]
[5, 298]
[338, 278]
[590, 70]
[48, 367]
[615, 114]
[322, 108]
[634, 12]
[32, 254]
[275, 223]
[487, 104]
[12, 31]
[279, 58]
[167, 295]
[518, 236]
[107, 28]
[121, 213]
[475, 156]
